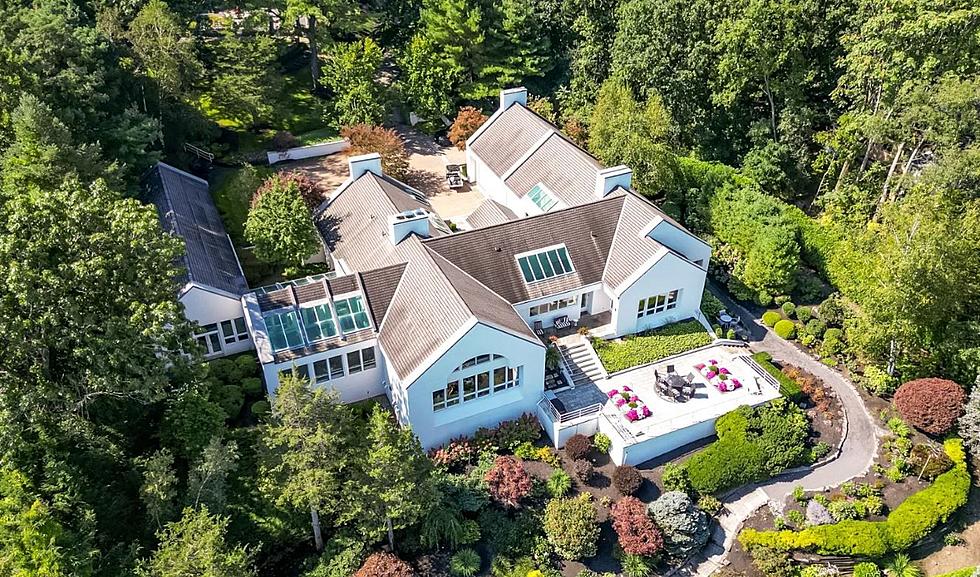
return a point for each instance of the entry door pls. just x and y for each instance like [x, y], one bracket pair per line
[586, 301]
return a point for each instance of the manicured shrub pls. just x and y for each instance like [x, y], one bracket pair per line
[464, 563]
[571, 526]
[932, 405]
[866, 570]
[583, 470]
[602, 442]
[507, 481]
[636, 531]
[772, 563]
[785, 329]
[230, 398]
[832, 310]
[753, 444]
[252, 386]
[803, 314]
[789, 309]
[815, 328]
[577, 447]
[684, 526]
[248, 365]
[675, 478]
[843, 510]
[627, 479]
[455, 453]
[770, 318]
[969, 423]
[781, 300]
[260, 408]
[833, 342]
[559, 484]
[384, 565]
[712, 506]
[912, 520]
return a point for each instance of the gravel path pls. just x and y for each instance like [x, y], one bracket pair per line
[855, 459]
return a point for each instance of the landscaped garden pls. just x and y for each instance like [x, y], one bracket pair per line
[650, 346]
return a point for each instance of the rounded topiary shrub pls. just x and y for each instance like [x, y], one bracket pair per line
[866, 570]
[577, 447]
[785, 329]
[230, 398]
[931, 405]
[583, 470]
[248, 365]
[260, 408]
[627, 479]
[816, 328]
[252, 386]
[803, 314]
[770, 318]
[789, 309]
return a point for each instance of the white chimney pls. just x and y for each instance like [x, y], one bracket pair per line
[364, 163]
[608, 179]
[405, 223]
[512, 95]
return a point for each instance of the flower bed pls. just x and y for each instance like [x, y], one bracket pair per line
[718, 376]
[630, 405]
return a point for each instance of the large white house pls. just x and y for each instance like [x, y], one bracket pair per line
[449, 326]
[213, 282]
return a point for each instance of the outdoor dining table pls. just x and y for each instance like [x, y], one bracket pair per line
[676, 381]
[725, 319]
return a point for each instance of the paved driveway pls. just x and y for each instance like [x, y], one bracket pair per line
[427, 165]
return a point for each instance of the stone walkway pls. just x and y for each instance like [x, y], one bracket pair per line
[857, 454]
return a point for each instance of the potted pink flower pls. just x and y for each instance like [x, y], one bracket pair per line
[612, 393]
[620, 402]
[627, 389]
[711, 374]
[631, 415]
[645, 411]
[724, 371]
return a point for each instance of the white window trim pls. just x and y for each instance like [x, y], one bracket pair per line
[667, 305]
[512, 379]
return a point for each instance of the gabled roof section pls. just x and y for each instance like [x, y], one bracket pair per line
[489, 213]
[379, 287]
[354, 223]
[489, 254]
[632, 249]
[434, 302]
[509, 136]
[568, 171]
[185, 208]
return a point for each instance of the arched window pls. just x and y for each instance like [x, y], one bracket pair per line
[477, 377]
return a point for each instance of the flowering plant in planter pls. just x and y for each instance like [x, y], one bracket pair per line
[645, 411]
[711, 374]
[631, 415]
[627, 389]
[612, 393]
[620, 402]
[724, 371]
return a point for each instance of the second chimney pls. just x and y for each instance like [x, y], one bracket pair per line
[364, 163]
[608, 179]
[512, 95]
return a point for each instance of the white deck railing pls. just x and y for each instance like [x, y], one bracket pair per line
[566, 417]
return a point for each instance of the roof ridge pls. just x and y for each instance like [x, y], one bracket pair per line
[607, 198]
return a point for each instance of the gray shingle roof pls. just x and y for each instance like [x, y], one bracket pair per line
[489, 213]
[186, 210]
[509, 136]
[568, 172]
[354, 224]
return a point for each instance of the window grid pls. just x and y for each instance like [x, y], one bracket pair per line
[351, 314]
[209, 340]
[545, 264]
[318, 322]
[542, 197]
[657, 304]
[476, 386]
[284, 330]
[552, 306]
[233, 331]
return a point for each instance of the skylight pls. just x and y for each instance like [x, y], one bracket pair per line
[284, 331]
[542, 197]
[351, 314]
[318, 322]
[545, 264]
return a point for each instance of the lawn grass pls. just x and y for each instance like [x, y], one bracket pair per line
[232, 190]
[651, 346]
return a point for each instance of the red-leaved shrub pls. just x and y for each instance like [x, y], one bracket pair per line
[508, 481]
[638, 535]
[577, 447]
[627, 479]
[466, 123]
[367, 139]
[931, 405]
[384, 565]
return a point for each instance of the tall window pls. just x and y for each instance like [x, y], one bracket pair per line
[542, 197]
[284, 331]
[318, 322]
[208, 338]
[657, 304]
[545, 264]
[361, 360]
[476, 378]
[552, 306]
[234, 331]
[351, 314]
[328, 369]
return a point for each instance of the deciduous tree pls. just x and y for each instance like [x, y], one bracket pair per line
[468, 120]
[366, 139]
[357, 97]
[279, 224]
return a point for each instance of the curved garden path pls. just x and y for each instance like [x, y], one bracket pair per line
[857, 452]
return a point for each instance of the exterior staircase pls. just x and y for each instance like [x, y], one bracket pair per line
[581, 363]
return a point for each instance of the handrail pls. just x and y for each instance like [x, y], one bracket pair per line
[559, 417]
[762, 372]
[200, 152]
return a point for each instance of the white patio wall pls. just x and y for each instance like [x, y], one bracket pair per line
[311, 151]
[352, 387]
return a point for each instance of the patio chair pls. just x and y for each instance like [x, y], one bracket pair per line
[562, 322]
[690, 377]
[689, 390]
[670, 368]
[538, 328]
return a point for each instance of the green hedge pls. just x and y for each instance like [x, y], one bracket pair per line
[770, 318]
[752, 445]
[908, 523]
[651, 346]
[787, 386]
[965, 572]
[785, 329]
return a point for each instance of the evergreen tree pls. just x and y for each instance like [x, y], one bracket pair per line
[196, 545]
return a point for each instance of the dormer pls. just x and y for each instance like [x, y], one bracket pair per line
[608, 179]
[408, 222]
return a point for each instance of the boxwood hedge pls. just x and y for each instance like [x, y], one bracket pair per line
[787, 386]
[908, 523]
